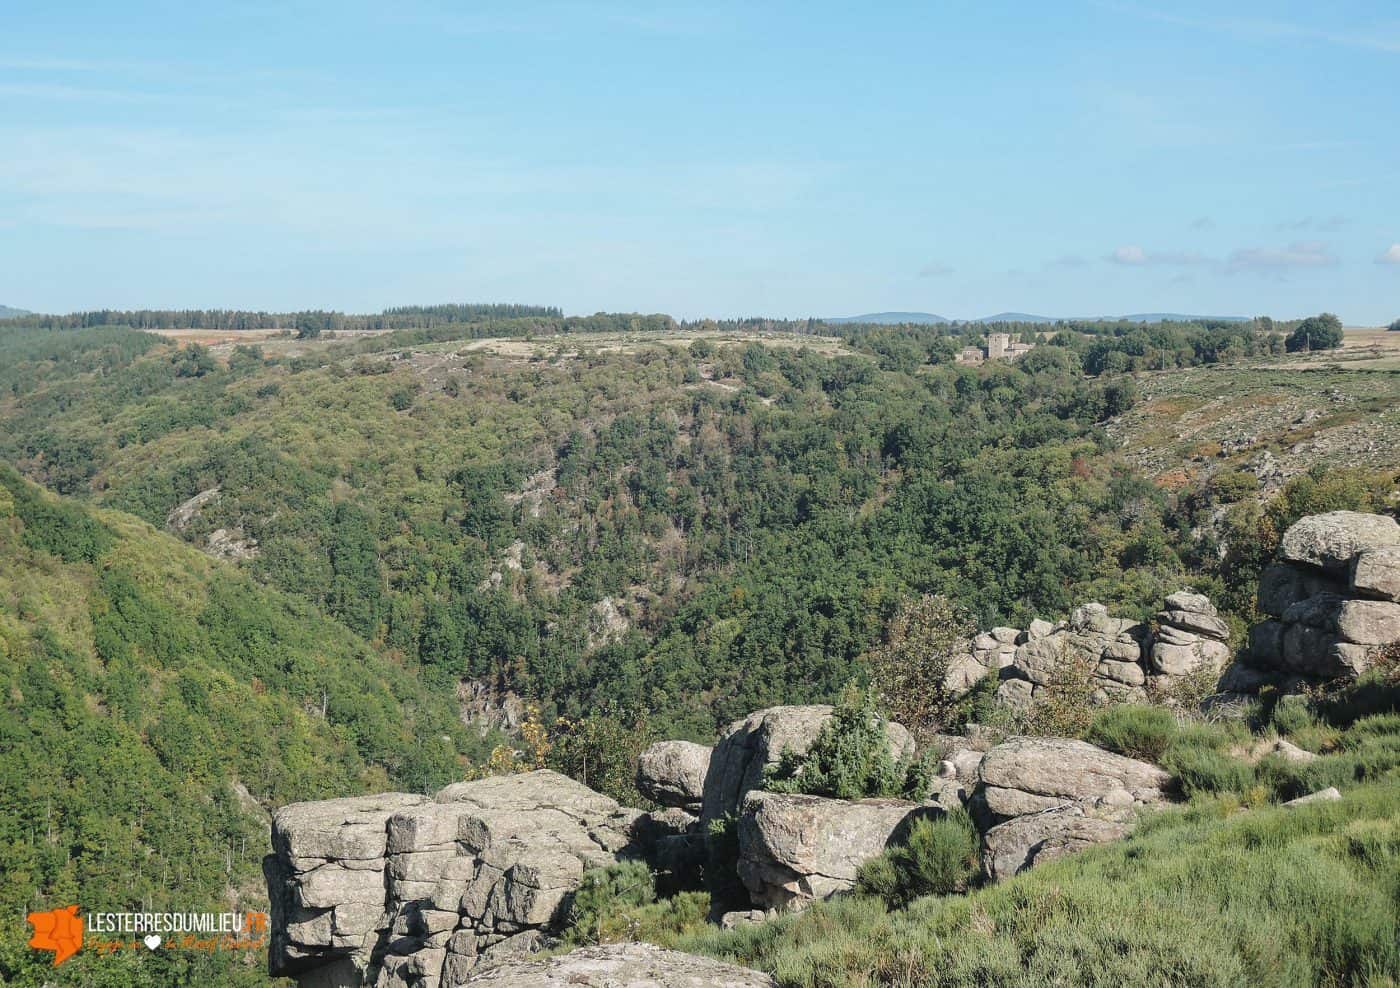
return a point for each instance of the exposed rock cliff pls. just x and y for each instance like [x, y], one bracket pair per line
[397, 890]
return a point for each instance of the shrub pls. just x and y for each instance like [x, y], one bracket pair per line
[1135, 731]
[1198, 770]
[936, 857]
[850, 759]
[908, 671]
[1230, 486]
[598, 910]
[721, 865]
[1065, 707]
[1291, 715]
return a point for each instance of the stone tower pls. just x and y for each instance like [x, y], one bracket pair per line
[997, 345]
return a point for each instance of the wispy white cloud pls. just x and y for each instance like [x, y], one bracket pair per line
[1391, 255]
[1303, 255]
[1135, 256]
[1317, 224]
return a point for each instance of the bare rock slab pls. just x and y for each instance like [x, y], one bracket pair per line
[672, 773]
[795, 848]
[620, 965]
[1026, 775]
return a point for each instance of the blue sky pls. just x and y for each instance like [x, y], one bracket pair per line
[1083, 157]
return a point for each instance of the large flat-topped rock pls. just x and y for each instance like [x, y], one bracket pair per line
[400, 890]
[794, 848]
[349, 829]
[1329, 541]
[1026, 775]
[621, 965]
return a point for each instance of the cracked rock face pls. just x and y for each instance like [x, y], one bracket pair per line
[672, 773]
[750, 747]
[1334, 597]
[1044, 797]
[398, 890]
[1028, 840]
[795, 848]
[621, 965]
[1026, 775]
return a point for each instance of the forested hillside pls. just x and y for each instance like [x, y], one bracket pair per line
[155, 704]
[676, 528]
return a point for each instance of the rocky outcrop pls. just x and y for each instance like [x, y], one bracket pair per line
[1027, 775]
[399, 890]
[795, 848]
[621, 965]
[750, 747]
[1034, 838]
[486, 707]
[1333, 596]
[1118, 658]
[1108, 651]
[672, 773]
[1042, 797]
[1328, 542]
[1190, 638]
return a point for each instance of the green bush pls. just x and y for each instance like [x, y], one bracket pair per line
[1204, 770]
[936, 857]
[850, 759]
[598, 910]
[1138, 732]
[1291, 715]
[1230, 486]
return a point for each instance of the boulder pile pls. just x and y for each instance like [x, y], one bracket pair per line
[1120, 658]
[398, 890]
[749, 748]
[401, 890]
[1039, 798]
[795, 848]
[1333, 597]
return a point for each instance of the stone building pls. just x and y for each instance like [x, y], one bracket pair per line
[999, 346]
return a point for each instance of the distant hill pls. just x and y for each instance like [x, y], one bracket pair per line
[1178, 317]
[1014, 317]
[891, 318]
[8, 313]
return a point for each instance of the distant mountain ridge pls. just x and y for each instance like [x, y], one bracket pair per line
[891, 318]
[929, 319]
[6, 312]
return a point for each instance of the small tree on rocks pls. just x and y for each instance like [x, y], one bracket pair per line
[909, 670]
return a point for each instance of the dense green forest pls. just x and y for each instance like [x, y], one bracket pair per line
[155, 704]
[753, 513]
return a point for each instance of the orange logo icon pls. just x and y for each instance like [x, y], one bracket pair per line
[59, 930]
